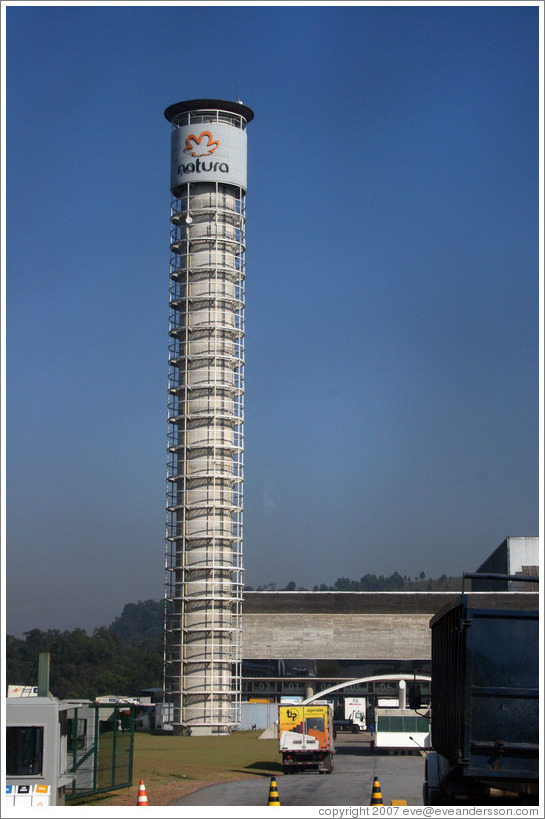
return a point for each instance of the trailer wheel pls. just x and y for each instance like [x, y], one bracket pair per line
[431, 789]
[432, 796]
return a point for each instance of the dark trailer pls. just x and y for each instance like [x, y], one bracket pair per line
[484, 700]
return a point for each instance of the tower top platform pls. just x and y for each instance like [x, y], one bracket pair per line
[196, 105]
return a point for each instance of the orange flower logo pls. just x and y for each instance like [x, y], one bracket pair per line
[196, 146]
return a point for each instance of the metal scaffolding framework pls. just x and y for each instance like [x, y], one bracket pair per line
[205, 471]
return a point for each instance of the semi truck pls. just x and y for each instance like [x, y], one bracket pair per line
[306, 738]
[484, 700]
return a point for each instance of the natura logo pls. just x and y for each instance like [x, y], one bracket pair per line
[202, 145]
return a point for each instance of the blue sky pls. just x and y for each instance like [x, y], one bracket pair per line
[392, 300]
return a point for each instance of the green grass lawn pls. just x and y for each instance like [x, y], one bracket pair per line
[210, 758]
[164, 760]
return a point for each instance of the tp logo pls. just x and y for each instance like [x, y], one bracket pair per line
[197, 146]
[292, 714]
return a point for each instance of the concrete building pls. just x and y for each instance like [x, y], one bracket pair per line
[300, 643]
[203, 586]
[297, 643]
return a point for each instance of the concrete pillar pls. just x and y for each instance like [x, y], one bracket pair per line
[402, 694]
[44, 661]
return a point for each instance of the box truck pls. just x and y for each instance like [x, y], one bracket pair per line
[306, 738]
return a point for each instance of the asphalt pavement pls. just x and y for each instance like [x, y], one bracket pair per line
[350, 784]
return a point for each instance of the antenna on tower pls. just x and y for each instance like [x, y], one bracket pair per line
[236, 90]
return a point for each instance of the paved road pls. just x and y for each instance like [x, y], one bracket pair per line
[351, 782]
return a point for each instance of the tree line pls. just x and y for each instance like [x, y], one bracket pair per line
[370, 582]
[86, 666]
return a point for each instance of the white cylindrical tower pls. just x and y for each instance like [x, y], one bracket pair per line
[203, 586]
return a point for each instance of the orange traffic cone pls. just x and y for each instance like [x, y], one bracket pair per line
[274, 799]
[376, 796]
[142, 796]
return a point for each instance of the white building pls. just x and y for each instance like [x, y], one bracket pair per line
[514, 556]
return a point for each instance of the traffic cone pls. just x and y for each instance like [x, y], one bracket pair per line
[376, 796]
[274, 799]
[142, 796]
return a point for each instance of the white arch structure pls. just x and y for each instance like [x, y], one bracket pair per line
[377, 678]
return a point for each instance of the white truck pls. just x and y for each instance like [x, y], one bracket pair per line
[354, 712]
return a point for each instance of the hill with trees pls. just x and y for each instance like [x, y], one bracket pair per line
[84, 666]
[140, 621]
